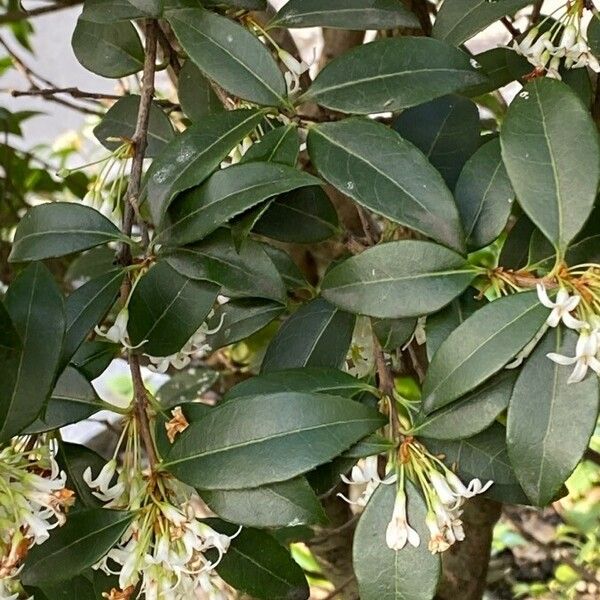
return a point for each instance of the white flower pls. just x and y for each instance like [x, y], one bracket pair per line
[474, 488]
[398, 531]
[117, 333]
[295, 70]
[437, 540]
[442, 489]
[552, 70]
[537, 51]
[161, 364]
[584, 359]
[524, 46]
[365, 473]
[561, 309]
[104, 477]
[579, 55]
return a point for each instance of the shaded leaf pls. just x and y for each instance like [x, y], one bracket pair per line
[393, 333]
[280, 145]
[196, 95]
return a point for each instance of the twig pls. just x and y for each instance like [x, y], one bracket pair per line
[510, 27]
[592, 456]
[70, 91]
[19, 15]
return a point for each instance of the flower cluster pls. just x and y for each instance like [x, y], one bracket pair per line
[587, 325]
[163, 553]
[33, 500]
[563, 41]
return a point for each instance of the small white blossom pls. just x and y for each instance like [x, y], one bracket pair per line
[398, 531]
[584, 359]
[365, 473]
[295, 68]
[561, 308]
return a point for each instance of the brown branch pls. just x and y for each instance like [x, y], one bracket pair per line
[19, 15]
[140, 395]
[592, 456]
[510, 27]
[70, 91]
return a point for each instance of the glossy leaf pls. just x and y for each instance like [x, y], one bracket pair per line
[446, 130]
[93, 358]
[110, 11]
[547, 137]
[302, 216]
[86, 537]
[391, 74]
[280, 145]
[515, 250]
[292, 276]
[192, 156]
[11, 350]
[255, 440]
[186, 386]
[36, 309]
[472, 413]
[284, 504]
[459, 20]
[196, 95]
[306, 379]
[166, 309]
[108, 49]
[120, 123]
[60, 228]
[550, 421]
[481, 346]
[393, 333]
[398, 279]
[484, 196]
[382, 573]
[230, 55]
[249, 273]
[386, 174]
[317, 335]
[345, 14]
[86, 307]
[226, 194]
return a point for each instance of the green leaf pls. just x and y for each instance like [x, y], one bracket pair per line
[472, 413]
[257, 565]
[546, 137]
[284, 504]
[372, 444]
[152, 8]
[166, 309]
[317, 335]
[197, 98]
[382, 573]
[255, 440]
[110, 11]
[186, 386]
[226, 194]
[239, 319]
[315, 380]
[193, 155]
[281, 145]
[393, 333]
[91, 263]
[446, 130]
[79, 587]
[345, 14]
[86, 537]
[302, 216]
[111, 50]
[386, 174]
[93, 358]
[593, 35]
[481, 346]
[230, 55]
[398, 279]
[494, 65]
[550, 421]
[120, 123]
[86, 307]
[11, 351]
[60, 228]
[459, 20]
[515, 250]
[73, 399]
[36, 309]
[483, 456]
[391, 74]
[290, 273]
[249, 273]
[484, 196]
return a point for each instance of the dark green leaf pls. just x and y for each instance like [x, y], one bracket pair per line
[93, 358]
[391, 74]
[86, 307]
[547, 137]
[120, 123]
[484, 196]
[398, 279]
[230, 55]
[459, 20]
[393, 333]
[515, 250]
[446, 130]
[110, 11]
[11, 352]
[550, 421]
[249, 273]
[196, 95]
[288, 269]
[472, 413]
[302, 216]
[382, 573]
[281, 145]
[494, 66]
[166, 309]
[345, 14]
[152, 8]
[239, 319]
[108, 49]
[306, 379]
[186, 386]
[86, 537]
[317, 335]
[192, 156]
[481, 346]
[60, 228]
[372, 444]
[593, 35]
[36, 309]
[78, 587]
[284, 504]
[388, 175]
[91, 263]
[226, 194]
[255, 440]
